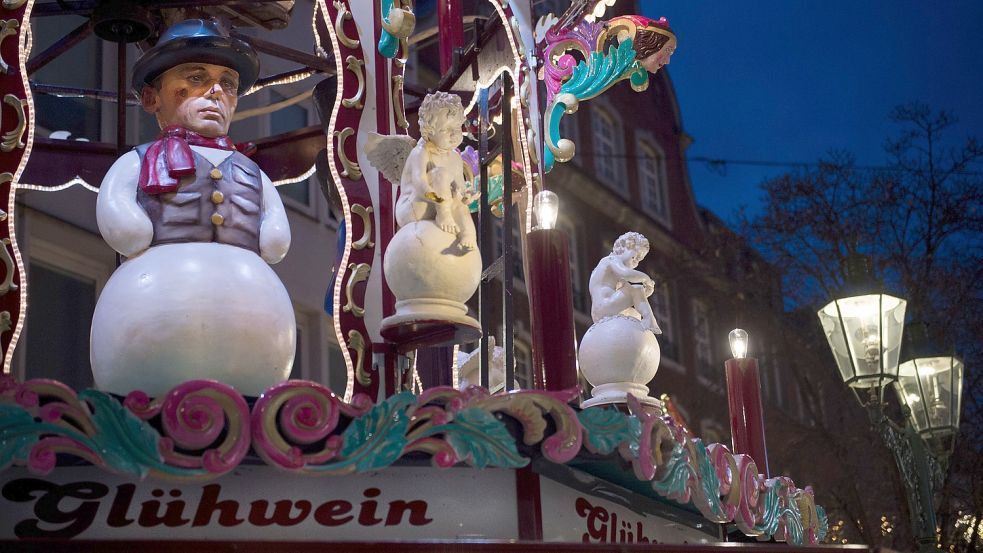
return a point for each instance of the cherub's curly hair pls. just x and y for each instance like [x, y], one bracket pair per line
[436, 104]
[631, 240]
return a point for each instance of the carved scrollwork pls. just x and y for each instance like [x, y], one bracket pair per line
[12, 139]
[359, 273]
[350, 169]
[356, 66]
[13, 4]
[8, 27]
[357, 343]
[365, 213]
[339, 25]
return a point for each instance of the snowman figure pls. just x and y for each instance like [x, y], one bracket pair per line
[198, 223]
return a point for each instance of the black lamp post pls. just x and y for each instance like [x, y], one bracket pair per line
[864, 328]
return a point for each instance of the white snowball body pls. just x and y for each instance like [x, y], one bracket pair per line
[180, 312]
[618, 356]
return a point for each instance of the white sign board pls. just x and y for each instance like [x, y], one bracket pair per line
[573, 516]
[261, 503]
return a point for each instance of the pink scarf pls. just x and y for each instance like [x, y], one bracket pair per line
[170, 157]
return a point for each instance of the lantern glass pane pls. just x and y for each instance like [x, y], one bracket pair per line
[931, 387]
[864, 333]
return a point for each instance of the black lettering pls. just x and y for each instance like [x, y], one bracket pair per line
[47, 506]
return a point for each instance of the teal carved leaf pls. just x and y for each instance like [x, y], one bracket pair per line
[18, 432]
[377, 438]
[477, 435]
[125, 442]
[607, 428]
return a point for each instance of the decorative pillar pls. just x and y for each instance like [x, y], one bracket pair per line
[554, 357]
[450, 18]
[747, 425]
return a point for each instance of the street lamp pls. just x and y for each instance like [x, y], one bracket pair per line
[864, 331]
[930, 388]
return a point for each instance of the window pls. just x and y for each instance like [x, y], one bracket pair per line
[701, 337]
[652, 181]
[77, 67]
[663, 314]
[608, 151]
[57, 345]
[337, 371]
[285, 120]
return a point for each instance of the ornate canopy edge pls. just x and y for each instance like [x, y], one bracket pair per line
[203, 429]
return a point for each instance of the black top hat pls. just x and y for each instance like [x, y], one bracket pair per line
[196, 40]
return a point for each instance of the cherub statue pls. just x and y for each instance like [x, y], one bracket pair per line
[617, 288]
[430, 171]
[619, 354]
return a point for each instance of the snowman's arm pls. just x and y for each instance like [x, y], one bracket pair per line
[124, 225]
[274, 231]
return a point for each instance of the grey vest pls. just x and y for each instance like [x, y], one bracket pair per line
[222, 203]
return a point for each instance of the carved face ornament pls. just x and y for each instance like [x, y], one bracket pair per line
[197, 96]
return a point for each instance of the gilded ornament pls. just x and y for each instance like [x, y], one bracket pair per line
[8, 283]
[359, 273]
[355, 65]
[12, 139]
[350, 169]
[357, 343]
[8, 27]
[339, 25]
[364, 213]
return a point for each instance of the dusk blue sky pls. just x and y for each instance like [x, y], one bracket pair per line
[789, 81]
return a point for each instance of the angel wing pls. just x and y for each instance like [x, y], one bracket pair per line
[388, 153]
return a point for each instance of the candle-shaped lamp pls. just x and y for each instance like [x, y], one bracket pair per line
[554, 356]
[747, 424]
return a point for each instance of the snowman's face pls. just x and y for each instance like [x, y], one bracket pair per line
[201, 97]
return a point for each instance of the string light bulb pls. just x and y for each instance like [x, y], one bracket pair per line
[546, 204]
[738, 343]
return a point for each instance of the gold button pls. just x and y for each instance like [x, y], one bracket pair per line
[217, 197]
[215, 174]
[217, 219]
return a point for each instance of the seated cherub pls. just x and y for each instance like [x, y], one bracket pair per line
[617, 288]
[431, 179]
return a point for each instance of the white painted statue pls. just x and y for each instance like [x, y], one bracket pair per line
[199, 223]
[619, 353]
[431, 264]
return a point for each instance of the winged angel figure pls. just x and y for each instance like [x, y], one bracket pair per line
[430, 172]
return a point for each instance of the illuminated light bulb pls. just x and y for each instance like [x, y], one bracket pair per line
[738, 343]
[871, 341]
[546, 204]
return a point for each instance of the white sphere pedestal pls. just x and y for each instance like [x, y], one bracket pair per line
[431, 277]
[619, 356]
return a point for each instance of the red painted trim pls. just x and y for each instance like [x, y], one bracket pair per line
[384, 68]
[11, 83]
[529, 503]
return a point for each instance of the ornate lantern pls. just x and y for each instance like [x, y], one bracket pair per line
[930, 386]
[864, 330]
